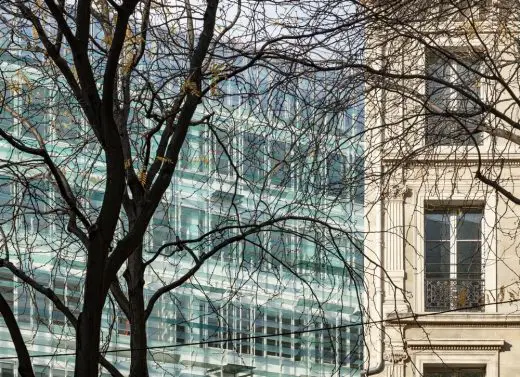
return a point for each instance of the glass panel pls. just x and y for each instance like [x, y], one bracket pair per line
[192, 156]
[469, 260]
[335, 172]
[448, 371]
[74, 294]
[444, 129]
[42, 303]
[6, 106]
[58, 318]
[220, 147]
[23, 310]
[7, 370]
[67, 124]
[471, 373]
[6, 209]
[35, 106]
[254, 154]
[437, 259]
[469, 226]
[161, 231]
[279, 165]
[437, 226]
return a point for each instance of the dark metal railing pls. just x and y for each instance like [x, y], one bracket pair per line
[446, 294]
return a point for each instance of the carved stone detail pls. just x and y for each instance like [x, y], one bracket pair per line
[398, 191]
[396, 356]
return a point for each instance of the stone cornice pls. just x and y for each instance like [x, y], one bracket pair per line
[456, 344]
[463, 320]
[436, 160]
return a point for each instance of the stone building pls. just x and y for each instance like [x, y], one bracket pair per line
[442, 261]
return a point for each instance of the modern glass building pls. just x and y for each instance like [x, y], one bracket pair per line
[283, 155]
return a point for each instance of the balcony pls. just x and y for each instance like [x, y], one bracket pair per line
[449, 294]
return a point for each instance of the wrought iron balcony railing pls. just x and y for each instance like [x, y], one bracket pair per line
[446, 294]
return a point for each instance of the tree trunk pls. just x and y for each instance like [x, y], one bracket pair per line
[24, 361]
[138, 341]
[89, 321]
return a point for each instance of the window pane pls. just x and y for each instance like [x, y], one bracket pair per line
[7, 370]
[437, 226]
[35, 106]
[254, 154]
[6, 106]
[472, 373]
[279, 164]
[469, 259]
[437, 259]
[335, 171]
[468, 227]
[221, 145]
[445, 125]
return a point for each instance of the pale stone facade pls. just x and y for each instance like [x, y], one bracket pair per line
[474, 330]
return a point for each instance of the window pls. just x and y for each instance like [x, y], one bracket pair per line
[336, 171]
[35, 107]
[68, 118]
[6, 106]
[453, 259]
[324, 344]
[466, 10]
[58, 318]
[227, 253]
[6, 198]
[253, 154]
[281, 168]
[192, 155]
[161, 226]
[453, 117]
[447, 371]
[37, 198]
[41, 308]
[7, 288]
[6, 370]
[221, 145]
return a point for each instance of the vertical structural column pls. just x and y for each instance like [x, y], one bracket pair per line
[394, 240]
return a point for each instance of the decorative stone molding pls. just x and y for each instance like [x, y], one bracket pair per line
[398, 191]
[459, 320]
[456, 345]
[396, 356]
[452, 162]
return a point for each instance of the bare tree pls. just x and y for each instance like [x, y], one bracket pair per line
[153, 148]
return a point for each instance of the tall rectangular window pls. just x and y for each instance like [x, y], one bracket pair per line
[7, 105]
[281, 168]
[453, 259]
[336, 174]
[35, 108]
[221, 152]
[254, 154]
[452, 92]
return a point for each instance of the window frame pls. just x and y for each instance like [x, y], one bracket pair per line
[489, 234]
[454, 214]
[460, 357]
[452, 71]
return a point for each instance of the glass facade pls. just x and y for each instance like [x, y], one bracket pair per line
[281, 301]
